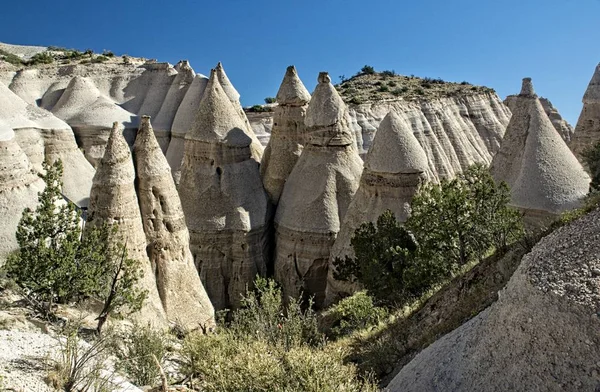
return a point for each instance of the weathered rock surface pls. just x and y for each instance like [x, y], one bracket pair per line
[560, 124]
[316, 195]
[542, 334]
[181, 292]
[44, 137]
[223, 199]
[587, 130]
[544, 176]
[287, 136]
[113, 200]
[394, 168]
[261, 123]
[19, 187]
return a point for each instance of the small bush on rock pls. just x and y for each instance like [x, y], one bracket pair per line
[591, 158]
[41, 58]
[367, 70]
[353, 313]
[270, 100]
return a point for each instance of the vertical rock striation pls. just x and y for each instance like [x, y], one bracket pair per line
[19, 187]
[544, 176]
[316, 195]
[181, 292]
[223, 199]
[285, 144]
[587, 130]
[113, 200]
[395, 167]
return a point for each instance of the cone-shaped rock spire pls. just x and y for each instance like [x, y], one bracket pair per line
[395, 167]
[285, 144]
[182, 294]
[223, 199]
[587, 130]
[545, 177]
[113, 200]
[316, 196]
[256, 147]
[19, 186]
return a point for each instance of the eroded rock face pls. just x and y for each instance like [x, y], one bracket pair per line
[316, 196]
[543, 333]
[44, 137]
[113, 200]
[544, 176]
[560, 124]
[223, 199]
[395, 167]
[181, 292]
[19, 187]
[285, 144]
[587, 130]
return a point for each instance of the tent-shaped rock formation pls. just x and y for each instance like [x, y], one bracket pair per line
[587, 130]
[395, 167]
[19, 187]
[113, 200]
[543, 333]
[182, 294]
[544, 176]
[316, 195]
[223, 199]
[285, 144]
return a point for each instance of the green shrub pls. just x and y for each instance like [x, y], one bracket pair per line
[383, 89]
[391, 83]
[107, 53]
[419, 91]
[400, 91]
[388, 73]
[10, 58]
[260, 109]
[356, 100]
[137, 350]
[353, 313]
[270, 100]
[367, 70]
[99, 59]
[41, 58]
[591, 158]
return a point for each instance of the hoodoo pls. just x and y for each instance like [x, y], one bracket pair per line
[184, 118]
[256, 147]
[113, 200]
[182, 294]
[223, 199]
[587, 130]
[544, 176]
[19, 187]
[395, 166]
[316, 195]
[285, 144]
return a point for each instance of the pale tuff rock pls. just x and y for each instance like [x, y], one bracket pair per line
[183, 121]
[19, 187]
[587, 130]
[285, 144]
[544, 176]
[543, 333]
[113, 200]
[262, 124]
[44, 137]
[395, 167]
[182, 294]
[256, 147]
[560, 124]
[316, 196]
[91, 115]
[165, 117]
[223, 199]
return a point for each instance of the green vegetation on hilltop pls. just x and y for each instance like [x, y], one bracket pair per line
[10, 58]
[369, 85]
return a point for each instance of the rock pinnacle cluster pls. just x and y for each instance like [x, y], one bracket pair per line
[223, 199]
[286, 142]
[316, 195]
[395, 167]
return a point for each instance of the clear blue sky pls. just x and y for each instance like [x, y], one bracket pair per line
[494, 43]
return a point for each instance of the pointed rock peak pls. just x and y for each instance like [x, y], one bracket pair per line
[145, 129]
[116, 147]
[292, 90]
[217, 119]
[149, 158]
[527, 88]
[395, 149]
[231, 92]
[326, 106]
[183, 65]
[592, 94]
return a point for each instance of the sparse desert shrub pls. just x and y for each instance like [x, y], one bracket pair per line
[41, 58]
[260, 109]
[383, 89]
[353, 313]
[356, 100]
[270, 100]
[388, 73]
[591, 158]
[99, 59]
[391, 83]
[465, 83]
[137, 350]
[367, 70]
[108, 53]
[400, 91]
[10, 58]
[419, 91]
[126, 59]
